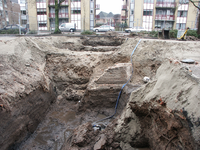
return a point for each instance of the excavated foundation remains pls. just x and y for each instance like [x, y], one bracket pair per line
[54, 90]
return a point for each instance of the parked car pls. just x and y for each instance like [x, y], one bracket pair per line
[104, 28]
[14, 27]
[65, 27]
[134, 29]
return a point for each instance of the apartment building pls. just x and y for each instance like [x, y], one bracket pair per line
[9, 13]
[41, 14]
[159, 14]
[105, 18]
[23, 8]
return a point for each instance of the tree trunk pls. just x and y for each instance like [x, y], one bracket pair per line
[56, 17]
[198, 30]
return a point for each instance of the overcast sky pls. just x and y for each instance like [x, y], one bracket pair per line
[107, 6]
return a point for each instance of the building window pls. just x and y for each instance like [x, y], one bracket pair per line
[148, 1]
[183, 1]
[64, 10]
[1, 13]
[23, 12]
[75, 0]
[7, 19]
[164, 12]
[42, 24]
[5, 3]
[41, 11]
[1, 6]
[52, 10]
[41, 1]
[22, 1]
[147, 12]
[168, 1]
[132, 12]
[78, 11]
[91, 11]
[182, 14]
[180, 26]
[24, 21]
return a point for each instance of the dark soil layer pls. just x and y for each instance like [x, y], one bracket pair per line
[162, 128]
[22, 122]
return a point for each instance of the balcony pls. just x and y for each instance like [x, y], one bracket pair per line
[124, 7]
[61, 15]
[97, 17]
[52, 3]
[23, 17]
[123, 17]
[165, 5]
[165, 17]
[97, 7]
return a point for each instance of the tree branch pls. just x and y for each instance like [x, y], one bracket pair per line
[60, 1]
[195, 4]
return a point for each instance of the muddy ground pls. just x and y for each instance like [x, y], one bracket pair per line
[53, 90]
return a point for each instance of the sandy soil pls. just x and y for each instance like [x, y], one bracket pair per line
[68, 65]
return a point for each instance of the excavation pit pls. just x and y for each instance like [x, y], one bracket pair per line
[54, 89]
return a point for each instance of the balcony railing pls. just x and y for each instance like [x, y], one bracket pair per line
[166, 4]
[123, 17]
[165, 17]
[97, 17]
[23, 17]
[124, 7]
[97, 7]
[52, 2]
[61, 15]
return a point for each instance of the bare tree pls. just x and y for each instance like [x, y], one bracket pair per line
[197, 6]
[57, 7]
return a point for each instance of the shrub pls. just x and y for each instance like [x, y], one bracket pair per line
[199, 36]
[87, 32]
[10, 31]
[192, 33]
[153, 33]
[98, 24]
[144, 32]
[173, 33]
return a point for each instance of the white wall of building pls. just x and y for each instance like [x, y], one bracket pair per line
[148, 6]
[181, 20]
[183, 7]
[147, 22]
[41, 5]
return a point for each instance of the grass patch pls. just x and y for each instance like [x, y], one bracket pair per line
[10, 31]
[87, 32]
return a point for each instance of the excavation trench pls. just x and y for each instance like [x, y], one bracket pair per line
[61, 87]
